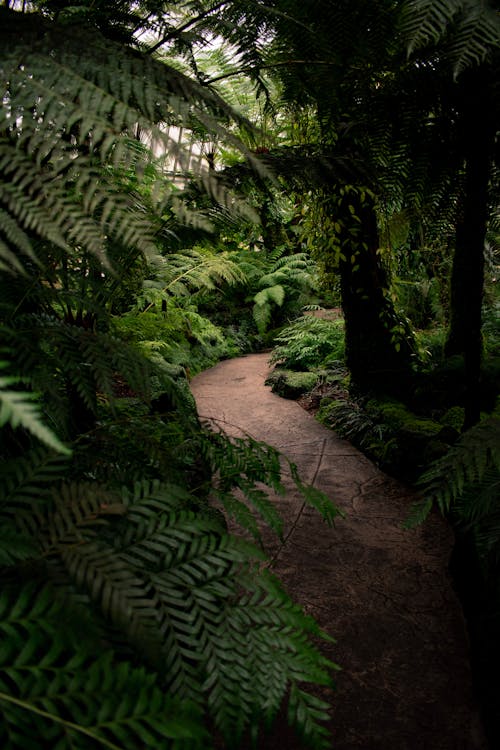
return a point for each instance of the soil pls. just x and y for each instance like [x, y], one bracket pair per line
[384, 593]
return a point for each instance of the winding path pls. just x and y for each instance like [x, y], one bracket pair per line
[382, 592]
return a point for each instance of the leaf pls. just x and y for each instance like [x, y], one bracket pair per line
[55, 692]
[18, 409]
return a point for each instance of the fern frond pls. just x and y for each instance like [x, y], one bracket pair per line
[182, 274]
[308, 342]
[274, 293]
[470, 30]
[15, 547]
[53, 692]
[68, 107]
[465, 464]
[264, 300]
[26, 481]
[16, 236]
[22, 409]
[242, 464]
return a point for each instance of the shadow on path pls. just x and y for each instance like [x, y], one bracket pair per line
[382, 592]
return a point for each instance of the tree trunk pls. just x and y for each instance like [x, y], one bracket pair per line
[379, 350]
[466, 293]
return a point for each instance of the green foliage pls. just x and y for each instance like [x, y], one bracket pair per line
[129, 616]
[285, 278]
[467, 469]
[309, 342]
[19, 409]
[186, 597]
[240, 464]
[290, 384]
[469, 31]
[351, 420]
[66, 106]
[179, 337]
[53, 690]
[181, 275]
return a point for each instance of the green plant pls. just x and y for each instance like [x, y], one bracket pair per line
[129, 616]
[309, 343]
[351, 420]
[185, 597]
[467, 471]
[285, 278]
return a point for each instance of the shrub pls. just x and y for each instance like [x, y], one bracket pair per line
[308, 343]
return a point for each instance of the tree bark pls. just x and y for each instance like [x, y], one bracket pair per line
[467, 280]
[379, 350]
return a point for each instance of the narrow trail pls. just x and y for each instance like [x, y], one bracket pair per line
[381, 591]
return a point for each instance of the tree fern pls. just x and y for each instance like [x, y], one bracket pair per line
[284, 276]
[182, 274]
[188, 631]
[66, 106]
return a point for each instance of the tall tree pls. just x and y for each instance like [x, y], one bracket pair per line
[460, 41]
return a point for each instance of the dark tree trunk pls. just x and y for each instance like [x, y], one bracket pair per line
[378, 343]
[466, 293]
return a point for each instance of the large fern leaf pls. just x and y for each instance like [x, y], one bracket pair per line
[66, 106]
[468, 30]
[465, 465]
[55, 693]
[188, 598]
[21, 408]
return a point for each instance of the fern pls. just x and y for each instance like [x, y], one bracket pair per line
[309, 342]
[470, 30]
[181, 274]
[464, 467]
[188, 598]
[189, 630]
[284, 277]
[22, 409]
[74, 108]
[241, 464]
[53, 691]
[263, 307]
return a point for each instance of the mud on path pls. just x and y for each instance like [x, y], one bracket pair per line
[382, 592]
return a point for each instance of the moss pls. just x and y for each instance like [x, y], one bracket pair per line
[289, 384]
[454, 418]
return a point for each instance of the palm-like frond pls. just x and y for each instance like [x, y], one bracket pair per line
[468, 30]
[53, 691]
[243, 463]
[463, 468]
[188, 598]
[21, 408]
[58, 104]
[183, 274]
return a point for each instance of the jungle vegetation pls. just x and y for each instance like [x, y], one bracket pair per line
[180, 182]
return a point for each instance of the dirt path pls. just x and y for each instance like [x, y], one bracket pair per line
[382, 592]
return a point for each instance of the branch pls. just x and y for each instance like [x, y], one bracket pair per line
[249, 68]
[173, 34]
